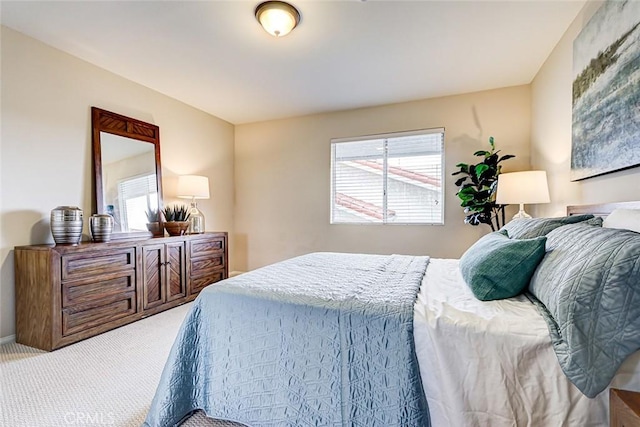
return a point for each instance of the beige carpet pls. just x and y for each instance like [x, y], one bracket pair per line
[106, 380]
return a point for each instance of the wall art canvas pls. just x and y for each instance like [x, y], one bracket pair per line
[606, 92]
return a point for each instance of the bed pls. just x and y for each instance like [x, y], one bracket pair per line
[373, 340]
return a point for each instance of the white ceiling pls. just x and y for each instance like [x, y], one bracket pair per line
[213, 55]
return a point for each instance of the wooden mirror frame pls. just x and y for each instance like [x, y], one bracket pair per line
[106, 121]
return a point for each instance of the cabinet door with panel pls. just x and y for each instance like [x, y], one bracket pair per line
[175, 268]
[152, 276]
[163, 273]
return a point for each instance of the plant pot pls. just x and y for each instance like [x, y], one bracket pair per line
[176, 228]
[155, 229]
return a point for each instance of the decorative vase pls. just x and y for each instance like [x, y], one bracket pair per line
[155, 229]
[66, 225]
[101, 227]
[196, 220]
[176, 228]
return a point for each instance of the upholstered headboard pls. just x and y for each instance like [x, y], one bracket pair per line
[602, 209]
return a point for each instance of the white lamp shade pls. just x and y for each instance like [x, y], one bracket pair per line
[193, 186]
[526, 188]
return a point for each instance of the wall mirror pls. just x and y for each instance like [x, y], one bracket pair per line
[127, 171]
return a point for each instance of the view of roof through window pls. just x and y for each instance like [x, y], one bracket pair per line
[396, 179]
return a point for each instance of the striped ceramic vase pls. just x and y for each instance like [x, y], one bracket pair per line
[101, 226]
[66, 225]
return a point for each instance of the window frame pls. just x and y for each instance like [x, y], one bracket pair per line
[386, 137]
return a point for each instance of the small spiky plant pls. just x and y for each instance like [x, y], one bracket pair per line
[152, 215]
[176, 213]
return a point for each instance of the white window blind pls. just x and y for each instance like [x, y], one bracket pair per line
[136, 195]
[388, 179]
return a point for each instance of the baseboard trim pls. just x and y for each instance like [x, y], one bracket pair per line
[8, 340]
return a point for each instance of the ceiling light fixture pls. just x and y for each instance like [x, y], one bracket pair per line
[277, 17]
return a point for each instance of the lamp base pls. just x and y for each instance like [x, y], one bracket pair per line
[521, 213]
[196, 220]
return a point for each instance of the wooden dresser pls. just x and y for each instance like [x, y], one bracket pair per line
[65, 294]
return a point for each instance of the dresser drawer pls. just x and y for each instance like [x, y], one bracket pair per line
[83, 264]
[83, 317]
[202, 264]
[206, 247]
[199, 283]
[95, 290]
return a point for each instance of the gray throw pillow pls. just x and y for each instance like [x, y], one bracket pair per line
[528, 228]
[588, 285]
[496, 267]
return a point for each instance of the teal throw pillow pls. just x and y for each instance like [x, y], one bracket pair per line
[528, 228]
[497, 267]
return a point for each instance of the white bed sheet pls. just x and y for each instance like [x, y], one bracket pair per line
[492, 363]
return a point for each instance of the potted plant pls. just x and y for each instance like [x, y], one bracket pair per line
[176, 219]
[153, 224]
[478, 187]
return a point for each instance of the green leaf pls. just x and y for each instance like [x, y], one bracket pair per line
[506, 157]
[479, 169]
[468, 199]
[468, 190]
[460, 181]
[492, 160]
[464, 168]
[492, 143]
[482, 153]
[467, 194]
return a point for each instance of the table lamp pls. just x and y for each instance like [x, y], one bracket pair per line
[522, 188]
[194, 187]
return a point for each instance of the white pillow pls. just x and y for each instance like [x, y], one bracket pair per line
[626, 219]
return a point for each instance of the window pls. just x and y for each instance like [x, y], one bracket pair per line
[136, 196]
[388, 179]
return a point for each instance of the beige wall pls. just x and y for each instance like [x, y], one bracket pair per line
[282, 175]
[551, 133]
[46, 145]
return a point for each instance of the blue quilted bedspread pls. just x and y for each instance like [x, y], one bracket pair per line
[324, 339]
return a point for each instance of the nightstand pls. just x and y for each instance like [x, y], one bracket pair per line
[624, 408]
